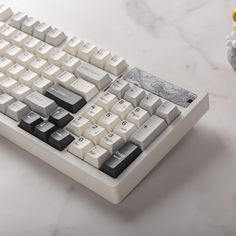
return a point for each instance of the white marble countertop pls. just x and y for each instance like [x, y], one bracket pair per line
[193, 190]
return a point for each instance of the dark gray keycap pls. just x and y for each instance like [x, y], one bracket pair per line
[44, 130]
[65, 98]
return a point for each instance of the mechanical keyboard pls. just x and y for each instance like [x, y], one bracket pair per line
[84, 110]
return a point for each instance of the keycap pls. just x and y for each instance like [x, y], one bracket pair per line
[13, 52]
[5, 63]
[168, 111]
[70, 63]
[28, 78]
[25, 59]
[17, 19]
[150, 103]
[15, 71]
[51, 72]
[86, 51]
[7, 84]
[65, 98]
[41, 30]
[95, 133]
[29, 121]
[106, 100]
[73, 45]
[60, 139]
[96, 156]
[94, 75]
[138, 116]
[42, 85]
[121, 159]
[134, 95]
[44, 51]
[44, 129]
[17, 110]
[116, 65]
[84, 88]
[149, 131]
[6, 32]
[80, 146]
[55, 37]
[122, 108]
[5, 101]
[119, 87]
[29, 24]
[38, 65]
[57, 56]
[5, 12]
[60, 117]
[93, 113]
[109, 121]
[19, 38]
[125, 129]
[65, 78]
[3, 46]
[100, 58]
[111, 142]
[40, 103]
[31, 44]
[20, 91]
[79, 125]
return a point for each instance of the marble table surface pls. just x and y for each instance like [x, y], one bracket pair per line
[193, 190]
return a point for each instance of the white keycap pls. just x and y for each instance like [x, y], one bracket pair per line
[5, 12]
[32, 44]
[7, 84]
[134, 95]
[73, 45]
[125, 129]
[138, 116]
[84, 88]
[2, 76]
[80, 146]
[93, 74]
[65, 79]
[38, 65]
[40, 104]
[17, 110]
[116, 65]
[106, 100]
[3, 46]
[57, 56]
[168, 111]
[17, 19]
[100, 58]
[122, 108]
[5, 63]
[42, 84]
[51, 72]
[96, 156]
[86, 51]
[111, 142]
[55, 37]
[25, 58]
[19, 38]
[150, 103]
[93, 113]
[109, 121]
[44, 51]
[6, 32]
[28, 78]
[20, 91]
[148, 132]
[41, 30]
[15, 71]
[13, 52]
[79, 125]
[29, 24]
[119, 87]
[5, 101]
[95, 133]
[70, 64]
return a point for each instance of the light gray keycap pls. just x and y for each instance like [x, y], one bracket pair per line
[150, 103]
[94, 75]
[168, 111]
[119, 87]
[40, 104]
[17, 110]
[5, 101]
[148, 132]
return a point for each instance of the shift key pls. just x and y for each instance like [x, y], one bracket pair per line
[65, 98]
